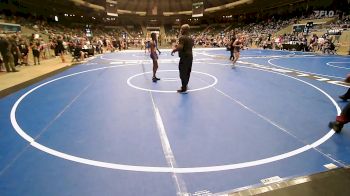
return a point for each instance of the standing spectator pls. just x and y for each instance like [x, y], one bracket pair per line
[23, 49]
[159, 40]
[14, 49]
[147, 45]
[1, 65]
[36, 52]
[42, 49]
[5, 50]
[143, 44]
[313, 43]
[157, 45]
[60, 48]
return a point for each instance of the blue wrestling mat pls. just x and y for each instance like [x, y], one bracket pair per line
[104, 128]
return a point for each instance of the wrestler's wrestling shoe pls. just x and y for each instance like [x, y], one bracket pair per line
[155, 79]
[336, 126]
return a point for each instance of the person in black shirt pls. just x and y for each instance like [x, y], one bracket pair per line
[60, 48]
[5, 50]
[36, 52]
[186, 57]
[23, 48]
[14, 49]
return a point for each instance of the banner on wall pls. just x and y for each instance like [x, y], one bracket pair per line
[324, 13]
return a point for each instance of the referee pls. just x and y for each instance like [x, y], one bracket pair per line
[186, 57]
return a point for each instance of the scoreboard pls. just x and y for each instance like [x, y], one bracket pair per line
[111, 7]
[197, 8]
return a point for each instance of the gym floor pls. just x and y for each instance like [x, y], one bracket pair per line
[104, 128]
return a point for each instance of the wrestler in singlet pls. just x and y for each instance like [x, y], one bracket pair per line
[154, 56]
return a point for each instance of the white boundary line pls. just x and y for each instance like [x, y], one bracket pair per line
[330, 64]
[147, 55]
[296, 70]
[139, 61]
[168, 153]
[167, 50]
[170, 79]
[139, 168]
[174, 91]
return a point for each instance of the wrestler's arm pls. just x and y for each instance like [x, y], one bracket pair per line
[235, 44]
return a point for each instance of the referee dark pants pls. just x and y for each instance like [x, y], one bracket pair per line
[185, 67]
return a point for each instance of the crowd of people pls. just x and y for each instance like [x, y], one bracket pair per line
[48, 41]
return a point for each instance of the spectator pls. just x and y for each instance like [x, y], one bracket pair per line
[36, 53]
[23, 49]
[5, 50]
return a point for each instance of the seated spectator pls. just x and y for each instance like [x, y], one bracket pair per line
[328, 47]
[78, 53]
